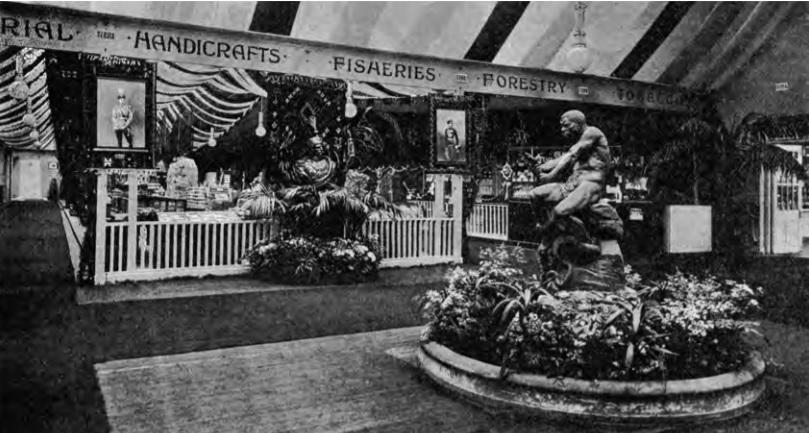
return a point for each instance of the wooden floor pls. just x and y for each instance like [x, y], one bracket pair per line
[348, 383]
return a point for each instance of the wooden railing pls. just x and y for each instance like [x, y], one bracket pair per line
[416, 241]
[174, 249]
[489, 221]
[428, 206]
[140, 250]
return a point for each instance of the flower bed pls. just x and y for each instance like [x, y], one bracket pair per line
[495, 323]
[648, 403]
[307, 260]
[681, 328]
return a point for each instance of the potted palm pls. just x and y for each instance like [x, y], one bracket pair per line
[706, 172]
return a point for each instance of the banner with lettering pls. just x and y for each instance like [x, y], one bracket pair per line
[50, 27]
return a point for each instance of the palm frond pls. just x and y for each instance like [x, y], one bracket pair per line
[265, 204]
[673, 149]
[696, 128]
[390, 120]
[770, 158]
[323, 204]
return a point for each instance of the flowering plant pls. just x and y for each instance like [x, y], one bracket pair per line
[681, 327]
[308, 260]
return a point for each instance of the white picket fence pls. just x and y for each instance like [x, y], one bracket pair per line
[184, 248]
[140, 250]
[416, 241]
[429, 206]
[176, 249]
[488, 221]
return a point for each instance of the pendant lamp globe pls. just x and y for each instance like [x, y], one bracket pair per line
[579, 57]
[350, 108]
[212, 139]
[261, 130]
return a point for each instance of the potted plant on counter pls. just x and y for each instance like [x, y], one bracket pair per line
[706, 172]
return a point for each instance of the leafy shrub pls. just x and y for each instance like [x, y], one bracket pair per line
[310, 260]
[681, 327]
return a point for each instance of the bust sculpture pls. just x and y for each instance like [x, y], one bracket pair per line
[316, 167]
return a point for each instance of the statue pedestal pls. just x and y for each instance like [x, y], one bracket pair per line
[606, 273]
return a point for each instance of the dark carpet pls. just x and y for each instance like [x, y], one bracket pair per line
[33, 247]
[48, 344]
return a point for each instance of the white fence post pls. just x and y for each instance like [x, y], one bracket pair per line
[132, 221]
[489, 221]
[438, 212]
[100, 276]
[456, 198]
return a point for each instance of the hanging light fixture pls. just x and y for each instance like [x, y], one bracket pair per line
[351, 109]
[19, 89]
[29, 119]
[261, 130]
[579, 58]
[212, 139]
[34, 135]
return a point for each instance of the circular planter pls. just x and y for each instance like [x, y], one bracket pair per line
[605, 402]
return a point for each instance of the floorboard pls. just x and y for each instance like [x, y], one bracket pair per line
[347, 383]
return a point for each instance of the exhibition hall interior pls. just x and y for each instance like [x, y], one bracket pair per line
[404, 216]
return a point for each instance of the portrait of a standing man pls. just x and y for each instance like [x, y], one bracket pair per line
[122, 117]
[451, 136]
[120, 114]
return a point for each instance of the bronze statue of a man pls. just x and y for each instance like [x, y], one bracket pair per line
[586, 185]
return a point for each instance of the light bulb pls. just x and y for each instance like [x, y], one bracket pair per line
[579, 58]
[29, 119]
[212, 139]
[261, 130]
[351, 110]
[34, 135]
[37, 144]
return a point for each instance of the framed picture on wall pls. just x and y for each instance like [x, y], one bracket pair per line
[119, 110]
[450, 122]
[121, 114]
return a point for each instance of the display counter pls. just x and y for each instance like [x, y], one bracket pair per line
[163, 204]
[203, 216]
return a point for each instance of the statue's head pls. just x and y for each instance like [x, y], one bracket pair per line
[317, 145]
[573, 123]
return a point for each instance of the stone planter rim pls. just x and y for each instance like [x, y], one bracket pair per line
[750, 371]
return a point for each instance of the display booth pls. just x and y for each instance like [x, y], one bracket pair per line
[179, 141]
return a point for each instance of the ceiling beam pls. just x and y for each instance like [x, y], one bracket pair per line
[86, 32]
[746, 48]
[712, 30]
[665, 22]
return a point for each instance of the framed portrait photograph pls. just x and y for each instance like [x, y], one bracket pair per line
[121, 114]
[451, 127]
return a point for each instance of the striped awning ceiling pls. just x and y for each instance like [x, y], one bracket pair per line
[27, 65]
[697, 45]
